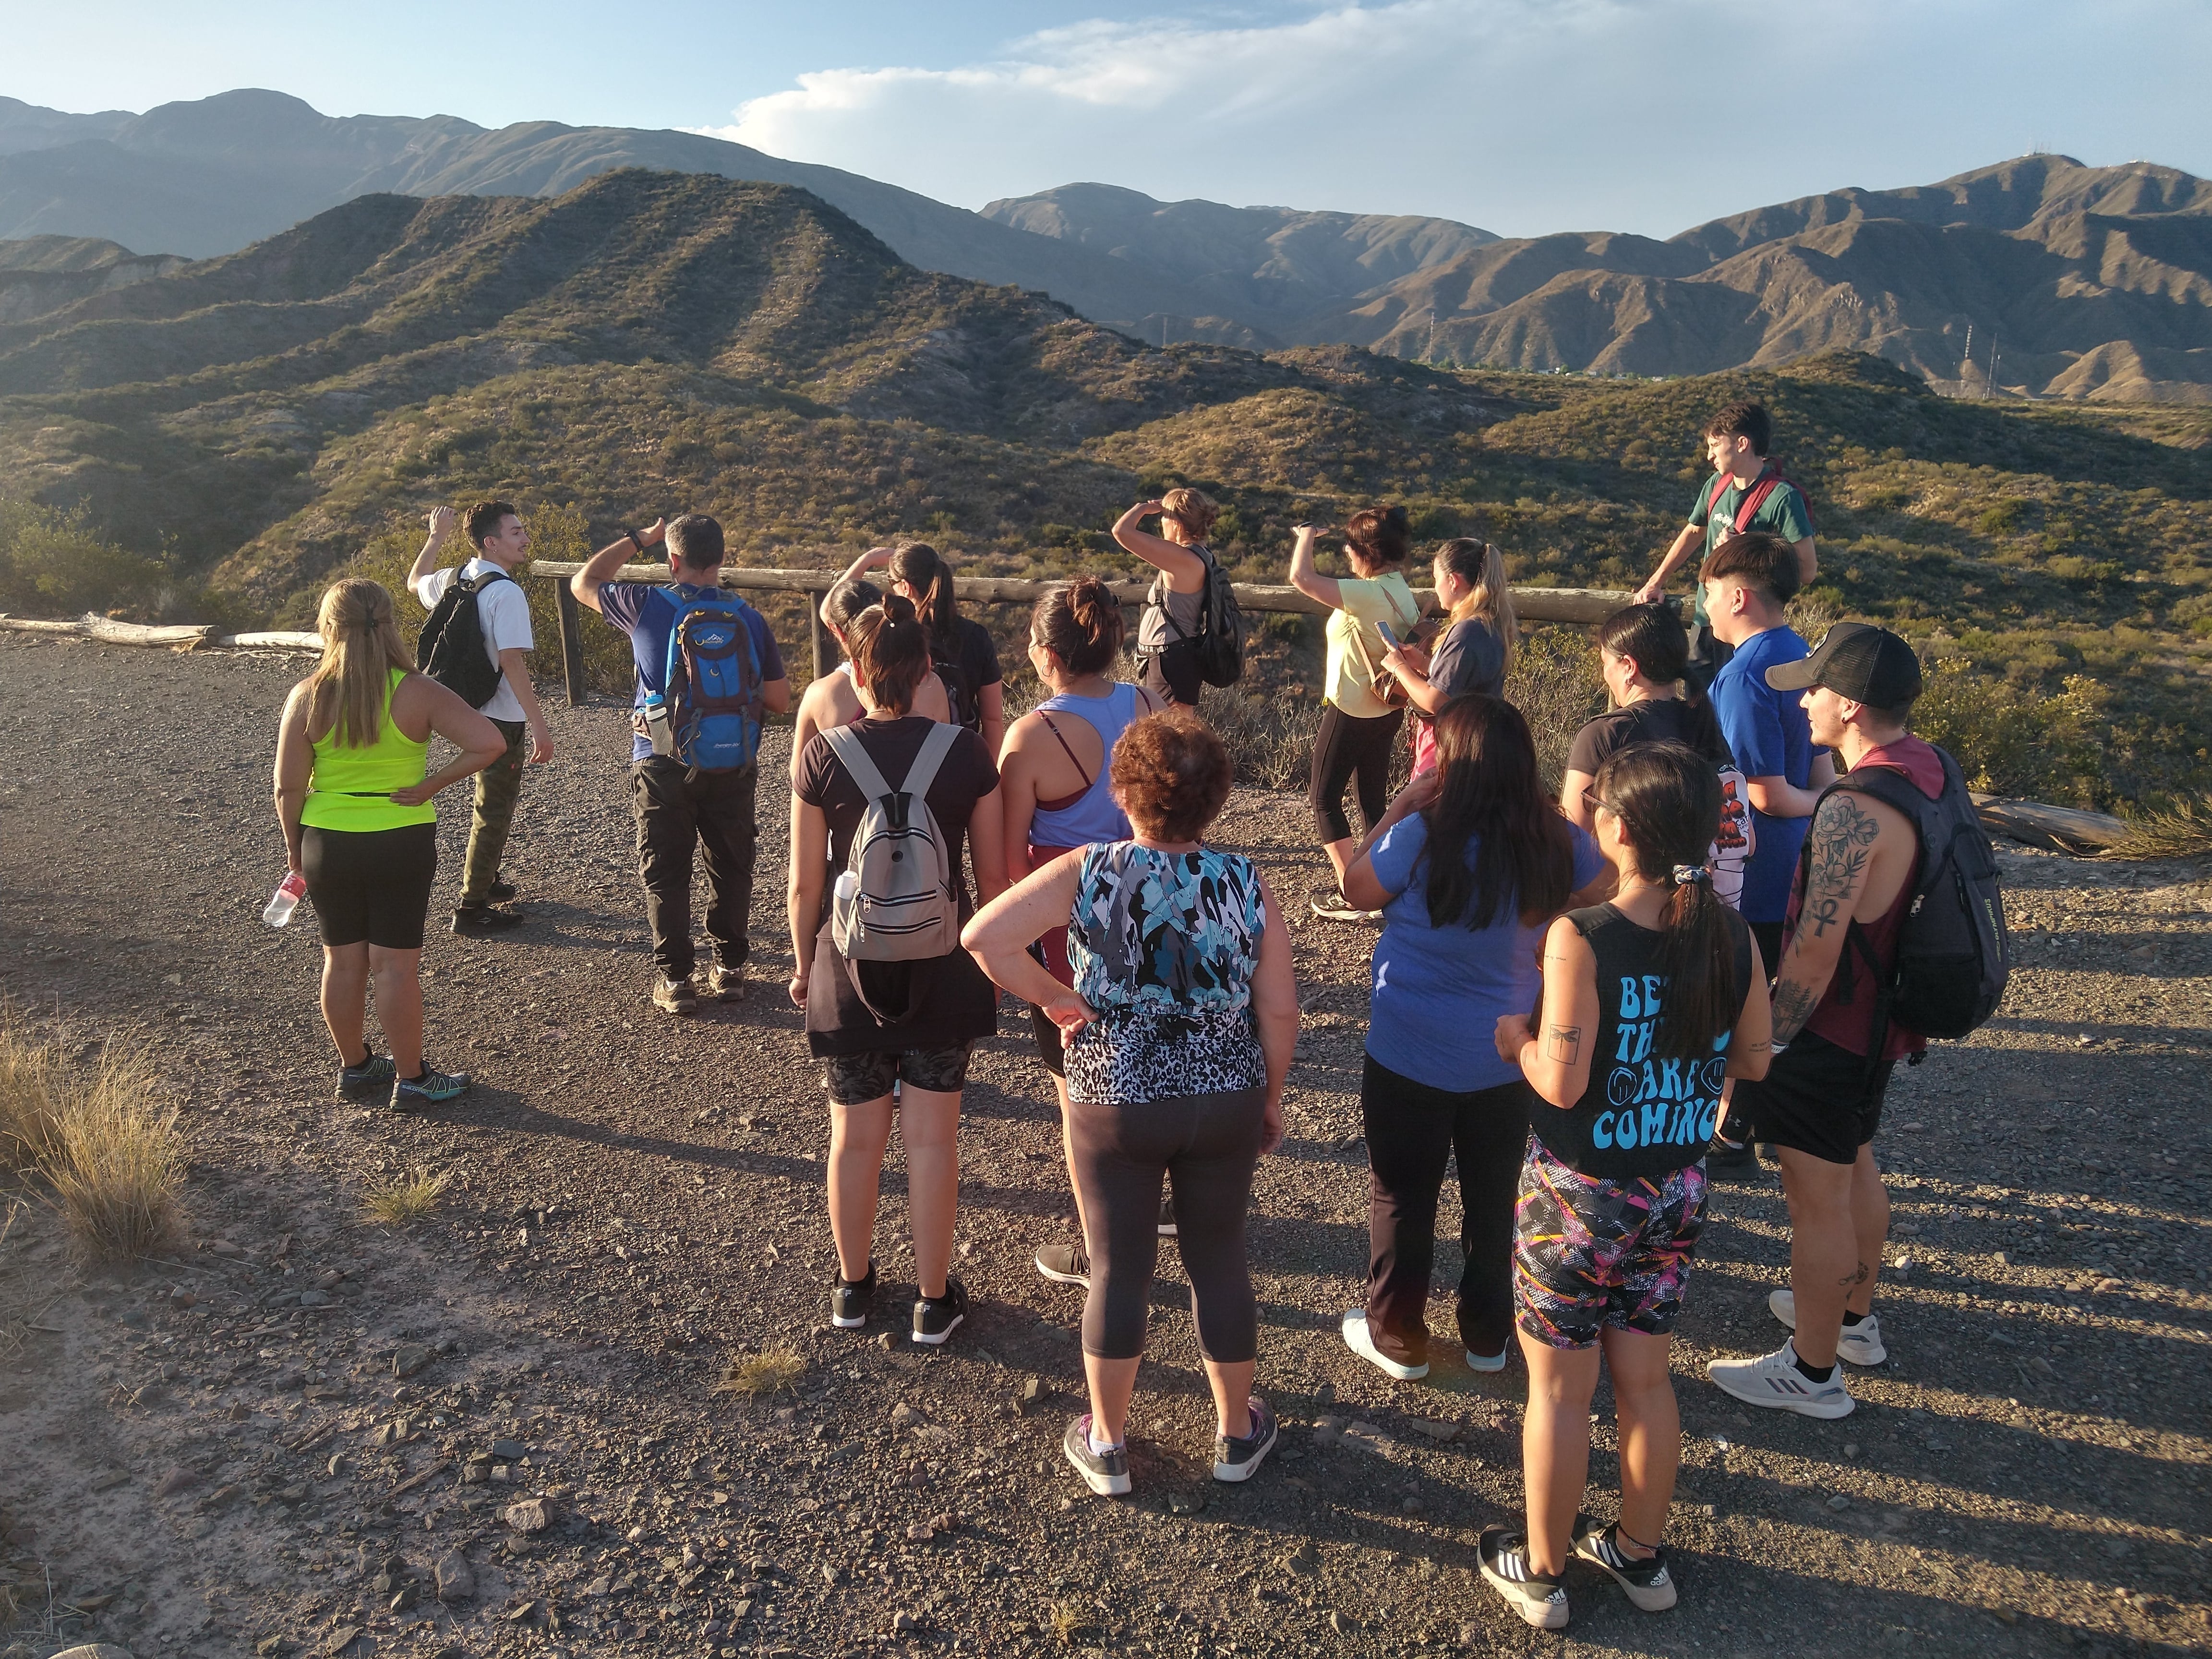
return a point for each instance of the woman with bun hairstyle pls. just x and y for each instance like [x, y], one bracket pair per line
[832, 701]
[875, 1024]
[1649, 1000]
[961, 649]
[1180, 1024]
[1358, 726]
[354, 796]
[1054, 787]
[1167, 665]
[1476, 648]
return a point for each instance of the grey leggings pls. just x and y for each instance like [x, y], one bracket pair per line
[1206, 1145]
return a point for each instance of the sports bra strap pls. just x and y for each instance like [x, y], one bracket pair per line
[1080, 770]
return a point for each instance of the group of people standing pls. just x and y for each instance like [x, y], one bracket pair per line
[1584, 1000]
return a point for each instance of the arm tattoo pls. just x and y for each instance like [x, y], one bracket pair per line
[1563, 1044]
[1792, 1006]
[1843, 841]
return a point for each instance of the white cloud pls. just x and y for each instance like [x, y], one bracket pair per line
[1522, 115]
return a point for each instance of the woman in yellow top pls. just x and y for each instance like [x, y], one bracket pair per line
[355, 802]
[1358, 727]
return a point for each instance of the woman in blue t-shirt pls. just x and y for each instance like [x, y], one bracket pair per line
[1467, 866]
[1650, 1002]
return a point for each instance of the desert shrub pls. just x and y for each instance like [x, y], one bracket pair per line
[404, 1199]
[1270, 739]
[1555, 684]
[52, 564]
[2013, 739]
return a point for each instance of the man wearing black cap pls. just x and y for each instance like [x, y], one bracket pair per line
[1821, 1099]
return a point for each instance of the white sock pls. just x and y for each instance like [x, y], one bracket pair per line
[1100, 1448]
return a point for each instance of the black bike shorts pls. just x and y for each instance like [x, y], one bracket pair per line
[372, 885]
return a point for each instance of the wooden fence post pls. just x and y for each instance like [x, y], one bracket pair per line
[572, 641]
[825, 649]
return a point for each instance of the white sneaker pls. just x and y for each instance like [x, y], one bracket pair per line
[1494, 1362]
[1361, 1341]
[1861, 1344]
[1774, 1381]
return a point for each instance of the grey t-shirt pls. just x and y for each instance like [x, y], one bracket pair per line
[1163, 603]
[1469, 659]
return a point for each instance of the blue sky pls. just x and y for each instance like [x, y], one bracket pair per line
[1522, 116]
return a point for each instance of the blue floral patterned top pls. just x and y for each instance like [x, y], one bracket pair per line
[1163, 946]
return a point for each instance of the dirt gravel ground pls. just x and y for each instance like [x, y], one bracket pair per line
[306, 1433]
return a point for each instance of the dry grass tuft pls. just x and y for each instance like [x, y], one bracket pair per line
[772, 1371]
[1269, 739]
[1068, 1622]
[400, 1201]
[112, 1156]
[2183, 830]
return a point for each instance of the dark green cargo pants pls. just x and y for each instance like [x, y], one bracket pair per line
[498, 787]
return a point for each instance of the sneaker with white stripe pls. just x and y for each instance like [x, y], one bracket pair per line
[1773, 1380]
[1861, 1344]
[1504, 1556]
[1644, 1577]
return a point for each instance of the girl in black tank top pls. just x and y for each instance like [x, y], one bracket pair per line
[1649, 1002]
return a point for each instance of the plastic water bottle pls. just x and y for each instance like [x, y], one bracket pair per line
[285, 899]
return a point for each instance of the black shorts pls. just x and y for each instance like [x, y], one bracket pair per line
[855, 1079]
[372, 885]
[1769, 935]
[1171, 675]
[1052, 1048]
[1817, 1098]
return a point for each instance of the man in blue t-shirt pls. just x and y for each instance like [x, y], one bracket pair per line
[1746, 580]
[675, 805]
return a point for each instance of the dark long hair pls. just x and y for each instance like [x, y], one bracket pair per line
[848, 600]
[1668, 798]
[923, 569]
[1653, 638]
[1487, 789]
[1081, 623]
[889, 652]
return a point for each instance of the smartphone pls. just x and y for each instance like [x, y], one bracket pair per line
[1389, 638]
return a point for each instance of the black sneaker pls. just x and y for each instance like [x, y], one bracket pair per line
[372, 1074]
[936, 1317]
[1235, 1459]
[433, 1088]
[481, 919]
[850, 1299]
[675, 996]
[501, 891]
[1167, 1216]
[1504, 1556]
[1105, 1473]
[1063, 1264]
[1726, 1154]
[1644, 1577]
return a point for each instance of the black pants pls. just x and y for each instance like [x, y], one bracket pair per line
[1413, 1131]
[1206, 1145]
[714, 810]
[1171, 674]
[1347, 748]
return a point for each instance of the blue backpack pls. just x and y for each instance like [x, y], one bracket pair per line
[708, 714]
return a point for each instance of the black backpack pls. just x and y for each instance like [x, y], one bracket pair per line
[452, 649]
[1218, 647]
[1953, 953]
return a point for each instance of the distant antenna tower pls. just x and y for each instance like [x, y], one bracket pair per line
[1966, 358]
[1431, 357]
[1993, 365]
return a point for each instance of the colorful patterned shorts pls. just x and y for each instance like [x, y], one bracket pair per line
[1589, 1253]
[855, 1079]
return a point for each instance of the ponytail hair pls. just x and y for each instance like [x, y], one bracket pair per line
[1191, 508]
[846, 601]
[890, 651]
[1482, 567]
[1081, 625]
[1380, 535]
[1652, 637]
[361, 647]
[1668, 798]
[924, 571]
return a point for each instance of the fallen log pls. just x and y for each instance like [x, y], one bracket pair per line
[111, 632]
[277, 640]
[2057, 829]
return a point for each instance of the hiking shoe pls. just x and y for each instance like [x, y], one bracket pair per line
[375, 1073]
[481, 919]
[1504, 1556]
[1488, 1363]
[1361, 1341]
[1861, 1344]
[675, 996]
[501, 891]
[851, 1298]
[1773, 1380]
[1235, 1458]
[1105, 1473]
[1644, 1577]
[433, 1088]
[1331, 905]
[726, 984]
[1167, 1216]
[1065, 1264]
[936, 1317]
[1725, 1154]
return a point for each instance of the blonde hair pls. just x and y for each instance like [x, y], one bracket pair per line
[361, 647]
[1190, 509]
[1483, 567]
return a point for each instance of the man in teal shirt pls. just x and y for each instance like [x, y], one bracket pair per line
[1746, 492]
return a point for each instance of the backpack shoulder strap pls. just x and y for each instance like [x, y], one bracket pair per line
[853, 755]
[935, 748]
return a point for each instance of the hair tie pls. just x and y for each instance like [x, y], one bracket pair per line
[1686, 874]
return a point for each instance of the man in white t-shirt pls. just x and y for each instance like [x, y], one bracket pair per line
[496, 531]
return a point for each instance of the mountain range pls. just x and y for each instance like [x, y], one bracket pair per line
[2066, 280]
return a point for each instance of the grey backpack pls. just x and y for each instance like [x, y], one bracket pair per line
[897, 899]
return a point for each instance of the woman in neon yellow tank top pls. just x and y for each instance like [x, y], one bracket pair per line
[355, 802]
